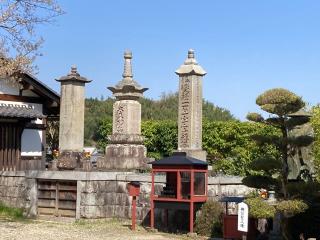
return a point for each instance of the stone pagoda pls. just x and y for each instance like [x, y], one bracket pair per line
[126, 150]
[71, 128]
[190, 108]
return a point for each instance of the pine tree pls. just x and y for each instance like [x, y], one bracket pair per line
[282, 105]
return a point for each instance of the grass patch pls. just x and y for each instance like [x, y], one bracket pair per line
[11, 212]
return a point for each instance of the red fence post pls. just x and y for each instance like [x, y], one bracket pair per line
[134, 191]
[133, 227]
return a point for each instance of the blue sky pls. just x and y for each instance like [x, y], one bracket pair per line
[245, 46]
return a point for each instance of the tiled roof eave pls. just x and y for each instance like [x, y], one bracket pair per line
[19, 112]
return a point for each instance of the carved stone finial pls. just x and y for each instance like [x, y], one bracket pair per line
[127, 71]
[128, 54]
[191, 53]
[191, 60]
[190, 66]
[74, 69]
[127, 87]
[73, 75]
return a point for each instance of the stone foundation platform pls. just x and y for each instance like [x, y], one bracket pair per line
[124, 157]
[100, 194]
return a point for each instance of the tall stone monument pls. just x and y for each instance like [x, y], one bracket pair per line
[126, 150]
[71, 128]
[190, 108]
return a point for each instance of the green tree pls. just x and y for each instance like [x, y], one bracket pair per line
[97, 111]
[166, 109]
[104, 130]
[160, 137]
[281, 104]
[315, 122]
[230, 146]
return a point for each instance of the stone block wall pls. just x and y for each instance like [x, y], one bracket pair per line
[103, 199]
[17, 191]
[226, 186]
[101, 194]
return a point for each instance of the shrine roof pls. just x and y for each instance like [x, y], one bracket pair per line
[232, 199]
[16, 111]
[179, 158]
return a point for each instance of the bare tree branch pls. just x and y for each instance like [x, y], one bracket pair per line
[19, 44]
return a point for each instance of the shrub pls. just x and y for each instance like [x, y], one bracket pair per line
[290, 208]
[259, 208]
[209, 221]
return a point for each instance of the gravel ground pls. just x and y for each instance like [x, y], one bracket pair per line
[82, 230]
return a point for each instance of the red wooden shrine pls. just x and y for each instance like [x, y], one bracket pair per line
[230, 222]
[186, 181]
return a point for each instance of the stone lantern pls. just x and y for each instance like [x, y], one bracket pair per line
[71, 128]
[126, 149]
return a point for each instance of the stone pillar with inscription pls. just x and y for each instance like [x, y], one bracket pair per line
[190, 108]
[71, 128]
[126, 150]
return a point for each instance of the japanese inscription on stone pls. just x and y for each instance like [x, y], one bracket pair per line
[119, 119]
[197, 114]
[185, 97]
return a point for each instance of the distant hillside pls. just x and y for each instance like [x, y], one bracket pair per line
[166, 108]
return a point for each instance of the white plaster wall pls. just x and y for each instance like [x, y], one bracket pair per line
[29, 93]
[7, 87]
[31, 143]
[31, 139]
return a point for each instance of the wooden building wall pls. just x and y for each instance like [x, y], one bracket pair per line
[10, 140]
[10, 150]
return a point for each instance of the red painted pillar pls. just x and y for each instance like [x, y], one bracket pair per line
[152, 215]
[206, 180]
[152, 202]
[192, 184]
[134, 206]
[191, 218]
[178, 185]
[191, 202]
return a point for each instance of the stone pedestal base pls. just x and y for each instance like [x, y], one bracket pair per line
[198, 154]
[275, 233]
[53, 165]
[124, 157]
[69, 160]
[86, 165]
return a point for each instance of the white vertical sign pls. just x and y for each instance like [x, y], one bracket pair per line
[243, 216]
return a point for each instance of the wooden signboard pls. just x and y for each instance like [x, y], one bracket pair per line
[243, 217]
